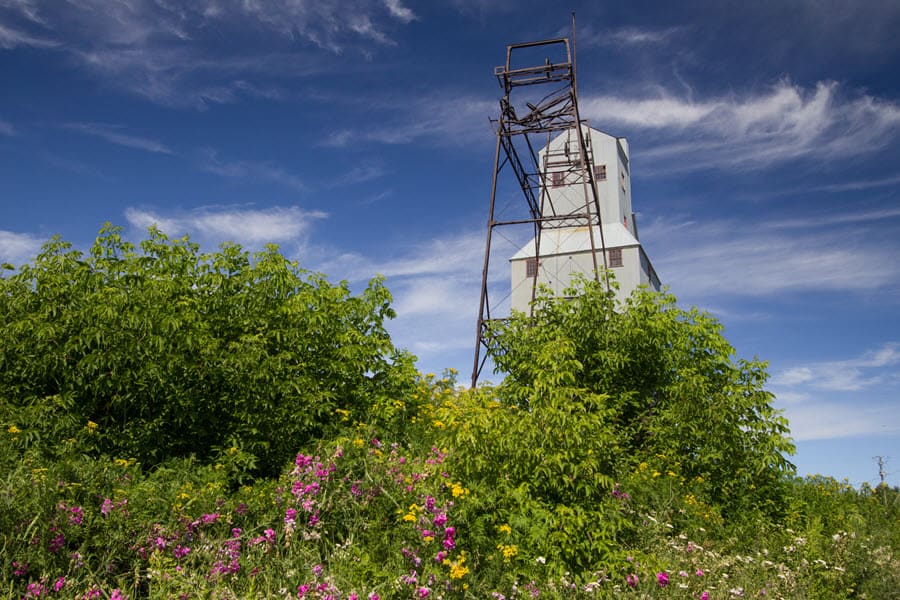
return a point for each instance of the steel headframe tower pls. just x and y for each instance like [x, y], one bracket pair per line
[540, 102]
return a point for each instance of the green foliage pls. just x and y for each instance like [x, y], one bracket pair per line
[363, 516]
[666, 386]
[171, 352]
[150, 399]
[542, 463]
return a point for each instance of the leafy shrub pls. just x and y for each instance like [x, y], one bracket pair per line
[668, 388]
[170, 352]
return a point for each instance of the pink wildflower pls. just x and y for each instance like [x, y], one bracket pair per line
[76, 515]
[60, 584]
[106, 507]
[662, 579]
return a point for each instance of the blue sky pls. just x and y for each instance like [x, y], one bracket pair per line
[355, 134]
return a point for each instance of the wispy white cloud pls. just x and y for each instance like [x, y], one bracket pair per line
[27, 9]
[872, 368]
[863, 184]
[711, 259]
[827, 421]
[241, 169]
[868, 216]
[246, 226]
[11, 38]
[16, 248]
[786, 122]
[7, 129]
[114, 134]
[821, 399]
[444, 256]
[435, 283]
[588, 36]
[162, 50]
[793, 376]
[359, 174]
[182, 76]
[398, 11]
[448, 119]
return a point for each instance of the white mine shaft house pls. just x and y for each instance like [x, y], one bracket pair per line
[565, 248]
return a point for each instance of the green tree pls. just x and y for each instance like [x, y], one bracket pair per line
[674, 396]
[166, 351]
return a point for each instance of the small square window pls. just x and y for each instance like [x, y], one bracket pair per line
[531, 267]
[599, 172]
[557, 178]
[615, 257]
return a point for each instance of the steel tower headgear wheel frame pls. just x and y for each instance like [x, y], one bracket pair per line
[546, 97]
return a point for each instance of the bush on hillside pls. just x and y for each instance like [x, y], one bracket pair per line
[167, 352]
[661, 387]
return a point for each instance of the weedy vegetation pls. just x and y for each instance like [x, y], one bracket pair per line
[180, 424]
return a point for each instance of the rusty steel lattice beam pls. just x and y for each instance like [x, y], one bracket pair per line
[539, 100]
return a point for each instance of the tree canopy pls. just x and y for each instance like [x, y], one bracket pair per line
[164, 351]
[646, 383]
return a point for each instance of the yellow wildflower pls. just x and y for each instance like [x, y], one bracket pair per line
[91, 427]
[458, 569]
[507, 551]
[458, 490]
[14, 430]
[505, 529]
